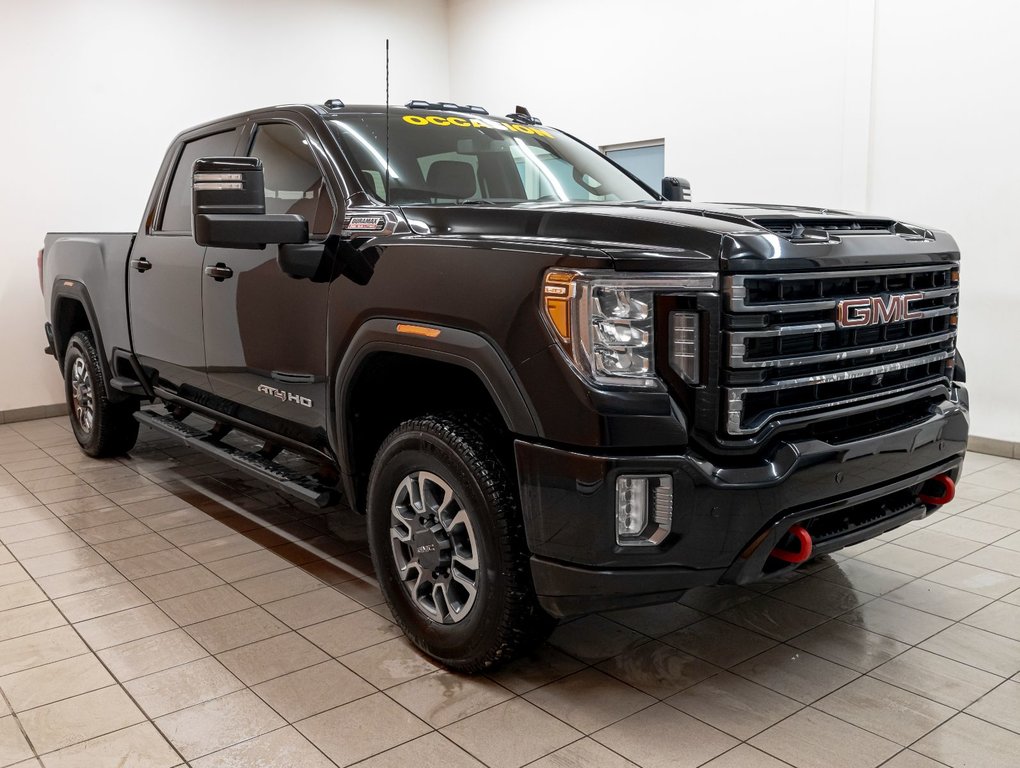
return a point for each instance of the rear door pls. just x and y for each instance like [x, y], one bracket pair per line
[165, 272]
[265, 332]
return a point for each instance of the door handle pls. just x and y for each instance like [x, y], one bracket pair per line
[142, 264]
[220, 272]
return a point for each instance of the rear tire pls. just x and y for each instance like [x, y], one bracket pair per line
[102, 428]
[448, 545]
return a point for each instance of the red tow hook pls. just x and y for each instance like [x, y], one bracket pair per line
[799, 532]
[942, 494]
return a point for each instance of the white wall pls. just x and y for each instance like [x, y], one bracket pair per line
[906, 108]
[93, 92]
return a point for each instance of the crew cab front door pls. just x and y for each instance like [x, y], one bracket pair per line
[265, 332]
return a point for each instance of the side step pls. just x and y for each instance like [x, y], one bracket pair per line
[259, 467]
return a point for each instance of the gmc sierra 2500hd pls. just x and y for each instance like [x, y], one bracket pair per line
[551, 389]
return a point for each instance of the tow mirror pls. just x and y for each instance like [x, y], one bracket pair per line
[228, 206]
[674, 188]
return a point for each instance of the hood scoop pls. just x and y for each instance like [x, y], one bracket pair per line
[825, 229]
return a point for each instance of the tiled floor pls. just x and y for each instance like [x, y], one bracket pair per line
[161, 611]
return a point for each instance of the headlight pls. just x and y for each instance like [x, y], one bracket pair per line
[605, 321]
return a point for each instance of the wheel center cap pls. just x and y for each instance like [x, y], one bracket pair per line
[429, 549]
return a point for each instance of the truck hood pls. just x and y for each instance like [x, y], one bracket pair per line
[653, 235]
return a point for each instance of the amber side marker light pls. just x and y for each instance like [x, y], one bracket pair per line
[557, 291]
[418, 330]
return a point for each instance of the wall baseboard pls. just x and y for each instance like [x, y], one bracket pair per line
[35, 412]
[994, 447]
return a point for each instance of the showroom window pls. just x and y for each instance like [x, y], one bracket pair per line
[177, 210]
[293, 179]
[646, 159]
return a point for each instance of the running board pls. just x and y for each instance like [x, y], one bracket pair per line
[258, 466]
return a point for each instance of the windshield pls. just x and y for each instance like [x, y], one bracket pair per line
[452, 158]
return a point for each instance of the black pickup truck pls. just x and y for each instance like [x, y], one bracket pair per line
[551, 389]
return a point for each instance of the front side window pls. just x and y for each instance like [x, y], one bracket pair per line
[293, 180]
[177, 209]
[450, 158]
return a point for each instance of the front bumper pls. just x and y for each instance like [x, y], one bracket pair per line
[726, 519]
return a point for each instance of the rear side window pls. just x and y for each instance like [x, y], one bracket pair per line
[294, 183]
[177, 210]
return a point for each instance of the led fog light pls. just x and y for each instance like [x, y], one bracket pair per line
[644, 509]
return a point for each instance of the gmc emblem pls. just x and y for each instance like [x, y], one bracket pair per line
[856, 313]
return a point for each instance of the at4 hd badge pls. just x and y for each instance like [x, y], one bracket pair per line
[287, 397]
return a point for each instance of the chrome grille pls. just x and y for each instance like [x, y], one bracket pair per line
[786, 356]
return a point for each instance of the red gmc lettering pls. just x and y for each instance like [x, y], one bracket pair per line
[855, 313]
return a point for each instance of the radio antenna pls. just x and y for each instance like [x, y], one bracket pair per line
[387, 121]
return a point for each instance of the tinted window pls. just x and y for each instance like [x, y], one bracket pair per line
[294, 183]
[177, 211]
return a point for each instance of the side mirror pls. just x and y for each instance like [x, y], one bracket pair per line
[677, 189]
[228, 206]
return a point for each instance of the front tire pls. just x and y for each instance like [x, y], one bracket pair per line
[448, 545]
[102, 428]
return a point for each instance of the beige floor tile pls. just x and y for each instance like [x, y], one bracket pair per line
[794, 673]
[656, 620]
[13, 534]
[583, 753]
[266, 659]
[937, 543]
[965, 741]
[206, 604]
[313, 607]
[309, 691]
[27, 619]
[52, 682]
[185, 515]
[658, 669]
[124, 626]
[278, 585]
[719, 642]
[214, 725]
[20, 594]
[221, 548]
[938, 599]
[972, 578]
[82, 580]
[746, 756]
[45, 647]
[351, 632]
[154, 563]
[442, 697]
[13, 746]
[938, 678]
[61, 562]
[900, 622]
[973, 530]
[734, 705]
[999, 617]
[100, 602]
[593, 638]
[390, 663]
[74, 720]
[984, 650]
[12, 573]
[885, 710]
[903, 559]
[510, 734]
[246, 566]
[1000, 706]
[136, 546]
[589, 700]
[995, 558]
[639, 738]
[849, 645]
[433, 750]
[361, 729]
[182, 686]
[125, 529]
[282, 747]
[138, 746]
[47, 545]
[910, 759]
[813, 739]
[175, 583]
[77, 506]
[151, 654]
[236, 629]
[822, 596]
[543, 665]
[85, 520]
